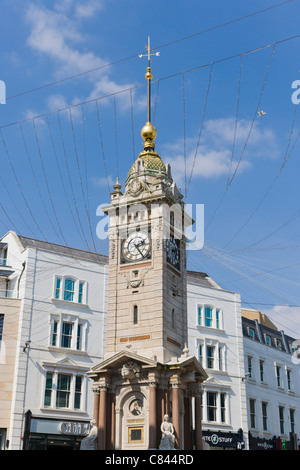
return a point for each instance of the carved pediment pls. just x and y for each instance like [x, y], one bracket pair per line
[117, 361]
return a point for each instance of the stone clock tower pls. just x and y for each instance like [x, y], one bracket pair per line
[147, 371]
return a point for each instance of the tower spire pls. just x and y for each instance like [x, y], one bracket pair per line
[149, 75]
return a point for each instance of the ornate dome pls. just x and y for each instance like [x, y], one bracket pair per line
[153, 165]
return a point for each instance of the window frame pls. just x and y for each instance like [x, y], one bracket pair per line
[76, 343]
[53, 394]
[212, 321]
[76, 296]
[264, 413]
[252, 413]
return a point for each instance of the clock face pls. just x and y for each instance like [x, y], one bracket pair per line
[173, 253]
[136, 247]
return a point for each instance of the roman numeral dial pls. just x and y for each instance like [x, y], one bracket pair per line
[136, 246]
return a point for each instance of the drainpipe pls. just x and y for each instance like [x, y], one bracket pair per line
[24, 265]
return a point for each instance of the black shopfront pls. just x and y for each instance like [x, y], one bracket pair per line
[218, 440]
[53, 434]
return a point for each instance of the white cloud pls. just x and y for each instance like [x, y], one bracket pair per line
[55, 33]
[102, 182]
[214, 153]
[286, 319]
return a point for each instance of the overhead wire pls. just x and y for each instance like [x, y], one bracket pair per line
[61, 177]
[101, 146]
[284, 162]
[18, 183]
[34, 176]
[201, 126]
[116, 138]
[221, 25]
[47, 184]
[132, 125]
[81, 182]
[184, 132]
[70, 180]
[236, 119]
[246, 140]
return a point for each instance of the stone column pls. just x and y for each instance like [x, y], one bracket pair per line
[187, 423]
[152, 413]
[96, 404]
[112, 421]
[175, 383]
[198, 423]
[102, 418]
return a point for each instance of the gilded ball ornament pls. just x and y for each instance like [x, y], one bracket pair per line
[148, 132]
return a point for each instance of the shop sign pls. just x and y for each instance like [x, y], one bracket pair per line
[220, 439]
[258, 443]
[74, 429]
[53, 426]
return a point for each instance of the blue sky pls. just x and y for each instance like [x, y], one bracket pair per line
[56, 166]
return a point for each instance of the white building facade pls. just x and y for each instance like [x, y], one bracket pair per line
[272, 384]
[53, 306]
[216, 339]
[60, 336]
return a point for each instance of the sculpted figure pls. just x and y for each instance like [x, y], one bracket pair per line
[90, 441]
[167, 438]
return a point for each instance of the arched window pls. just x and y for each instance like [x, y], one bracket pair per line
[173, 318]
[135, 315]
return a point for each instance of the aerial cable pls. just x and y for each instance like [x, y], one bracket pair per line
[60, 174]
[132, 125]
[286, 157]
[101, 144]
[47, 185]
[254, 117]
[70, 179]
[156, 99]
[85, 153]
[116, 136]
[33, 174]
[80, 179]
[193, 69]
[246, 141]
[236, 118]
[184, 131]
[201, 125]
[12, 224]
[158, 47]
[19, 185]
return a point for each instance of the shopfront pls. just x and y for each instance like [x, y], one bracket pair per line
[218, 440]
[259, 443]
[53, 434]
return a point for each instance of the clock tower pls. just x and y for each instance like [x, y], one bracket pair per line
[147, 371]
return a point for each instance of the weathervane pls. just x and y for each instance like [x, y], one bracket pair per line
[149, 75]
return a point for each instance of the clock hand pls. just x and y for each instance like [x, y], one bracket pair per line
[137, 247]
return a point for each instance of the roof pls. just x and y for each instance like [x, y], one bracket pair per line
[278, 339]
[201, 279]
[259, 316]
[62, 250]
